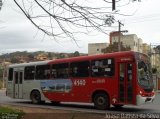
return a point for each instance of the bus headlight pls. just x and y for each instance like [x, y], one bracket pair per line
[140, 92]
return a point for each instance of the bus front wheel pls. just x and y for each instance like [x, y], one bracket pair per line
[36, 97]
[118, 106]
[101, 101]
[55, 102]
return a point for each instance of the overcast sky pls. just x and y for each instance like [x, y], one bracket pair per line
[18, 34]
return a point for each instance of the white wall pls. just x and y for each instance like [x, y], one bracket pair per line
[96, 48]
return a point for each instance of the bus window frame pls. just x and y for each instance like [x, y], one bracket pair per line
[111, 67]
[80, 76]
[26, 74]
[10, 76]
[46, 72]
[57, 70]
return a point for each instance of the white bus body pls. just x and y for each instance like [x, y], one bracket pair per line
[19, 88]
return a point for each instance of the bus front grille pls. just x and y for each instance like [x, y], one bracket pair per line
[148, 90]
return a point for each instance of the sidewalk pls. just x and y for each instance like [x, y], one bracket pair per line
[3, 90]
[158, 91]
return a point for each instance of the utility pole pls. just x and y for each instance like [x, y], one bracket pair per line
[4, 74]
[119, 31]
[3, 80]
[113, 5]
[1, 3]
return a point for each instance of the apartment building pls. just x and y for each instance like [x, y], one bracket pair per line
[130, 40]
[96, 48]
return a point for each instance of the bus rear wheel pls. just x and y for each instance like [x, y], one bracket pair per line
[36, 97]
[101, 101]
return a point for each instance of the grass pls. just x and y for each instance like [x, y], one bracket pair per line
[8, 113]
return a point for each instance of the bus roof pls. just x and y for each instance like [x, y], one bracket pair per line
[29, 64]
[80, 58]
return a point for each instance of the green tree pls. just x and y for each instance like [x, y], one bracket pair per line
[50, 55]
[60, 56]
[114, 48]
[14, 60]
[76, 54]
[31, 56]
[154, 70]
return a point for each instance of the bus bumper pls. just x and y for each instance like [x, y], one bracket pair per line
[143, 100]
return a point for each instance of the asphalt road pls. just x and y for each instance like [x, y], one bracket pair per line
[83, 107]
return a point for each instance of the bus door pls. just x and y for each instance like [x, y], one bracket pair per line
[126, 83]
[18, 83]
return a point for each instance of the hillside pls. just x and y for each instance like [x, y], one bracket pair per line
[24, 56]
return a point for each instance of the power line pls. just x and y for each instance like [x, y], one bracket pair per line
[1, 4]
[143, 19]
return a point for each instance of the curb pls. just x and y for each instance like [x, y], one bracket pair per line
[158, 92]
[3, 89]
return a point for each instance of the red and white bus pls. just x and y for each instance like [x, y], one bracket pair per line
[121, 78]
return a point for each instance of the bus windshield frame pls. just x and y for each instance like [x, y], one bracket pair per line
[144, 74]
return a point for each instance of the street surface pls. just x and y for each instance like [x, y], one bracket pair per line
[83, 107]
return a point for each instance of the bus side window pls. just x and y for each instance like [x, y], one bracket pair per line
[10, 75]
[43, 72]
[53, 72]
[102, 68]
[29, 73]
[16, 77]
[129, 67]
[60, 70]
[80, 69]
[20, 78]
[122, 72]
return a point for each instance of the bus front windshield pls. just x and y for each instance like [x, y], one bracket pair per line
[144, 74]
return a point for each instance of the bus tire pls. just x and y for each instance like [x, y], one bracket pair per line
[43, 102]
[36, 97]
[101, 101]
[55, 102]
[118, 106]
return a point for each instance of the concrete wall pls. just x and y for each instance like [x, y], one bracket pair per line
[130, 40]
[96, 48]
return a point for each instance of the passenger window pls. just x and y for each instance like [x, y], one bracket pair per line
[122, 72]
[60, 70]
[29, 73]
[16, 77]
[80, 69]
[129, 67]
[10, 77]
[102, 68]
[43, 72]
[20, 78]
